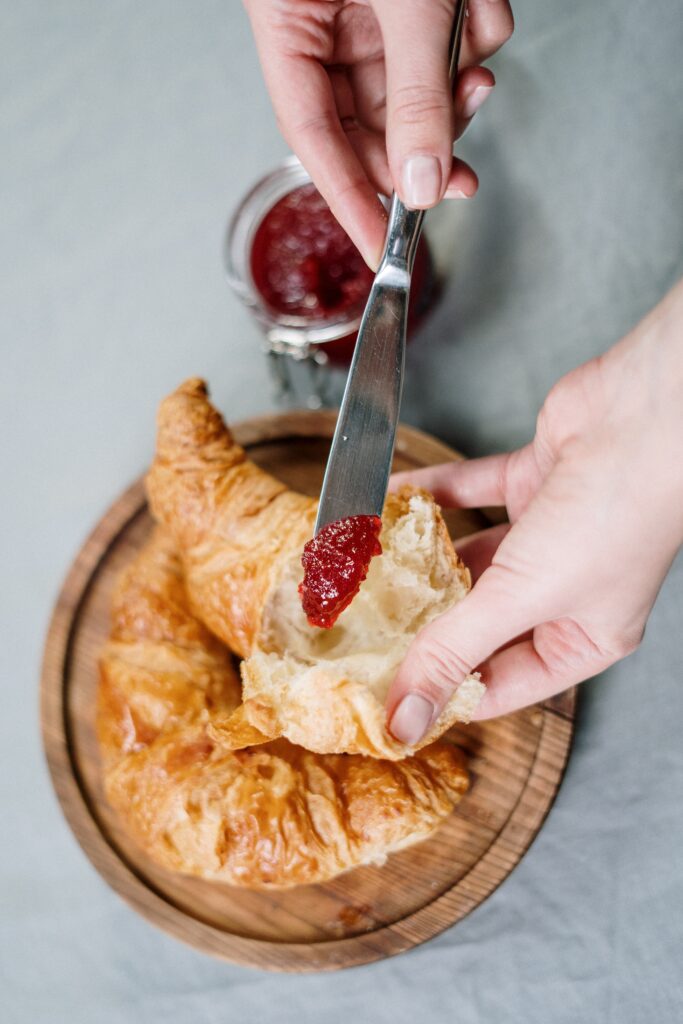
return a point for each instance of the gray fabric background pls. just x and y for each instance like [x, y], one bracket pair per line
[129, 130]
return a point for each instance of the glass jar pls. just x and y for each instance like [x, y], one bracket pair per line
[304, 346]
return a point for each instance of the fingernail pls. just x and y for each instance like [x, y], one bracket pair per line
[374, 259]
[456, 193]
[421, 181]
[475, 100]
[411, 719]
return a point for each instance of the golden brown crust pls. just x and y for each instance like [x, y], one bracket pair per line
[160, 668]
[237, 729]
[267, 816]
[329, 713]
[232, 522]
[275, 816]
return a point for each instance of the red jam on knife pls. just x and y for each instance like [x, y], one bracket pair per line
[335, 564]
[303, 262]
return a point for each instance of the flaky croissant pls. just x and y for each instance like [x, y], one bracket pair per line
[233, 523]
[240, 534]
[160, 669]
[269, 816]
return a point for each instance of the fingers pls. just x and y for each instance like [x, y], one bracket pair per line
[368, 145]
[305, 106]
[372, 155]
[515, 678]
[365, 127]
[335, 127]
[474, 87]
[467, 484]
[368, 83]
[489, 24]
[510, 479]
[478, 549]
[420, 123]
[419, 102]
[559, 655]
[368, 86]
[453, 645]
[370, 150]
[462, 181]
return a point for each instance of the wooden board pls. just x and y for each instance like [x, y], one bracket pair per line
[516, 765]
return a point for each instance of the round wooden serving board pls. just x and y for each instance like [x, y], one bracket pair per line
[516, 765]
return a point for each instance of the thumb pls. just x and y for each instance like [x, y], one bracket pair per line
[450, 647]
[416, 35]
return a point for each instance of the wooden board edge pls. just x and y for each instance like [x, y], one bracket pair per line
[331, 954]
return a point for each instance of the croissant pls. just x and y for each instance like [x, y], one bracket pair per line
[240, 534]
[266, 817]
[160, 669]
[233, 523]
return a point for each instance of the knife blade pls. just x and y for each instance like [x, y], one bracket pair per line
[359, 463]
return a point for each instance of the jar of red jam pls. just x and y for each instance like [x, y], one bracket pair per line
[295, 267]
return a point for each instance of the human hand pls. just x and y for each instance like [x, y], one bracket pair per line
[596, 510]
[362, 95]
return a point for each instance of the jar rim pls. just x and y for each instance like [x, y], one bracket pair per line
[297, 331]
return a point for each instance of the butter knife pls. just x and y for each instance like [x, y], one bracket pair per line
[359, 463]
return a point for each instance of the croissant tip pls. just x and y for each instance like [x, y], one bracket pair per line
[195, 387]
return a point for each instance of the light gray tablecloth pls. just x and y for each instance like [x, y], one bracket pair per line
[128, 132]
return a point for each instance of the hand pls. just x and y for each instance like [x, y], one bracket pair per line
[362, 96]
[596, 507]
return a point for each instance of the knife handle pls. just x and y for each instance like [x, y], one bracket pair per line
[403, 234]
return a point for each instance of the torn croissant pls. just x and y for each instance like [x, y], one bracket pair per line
[240, 534]
[270, 816]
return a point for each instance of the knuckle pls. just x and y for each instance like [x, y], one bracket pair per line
[624, 644]
[565, 645]
[558, 414]
[503, 576]
[318, 127]
[413, 105]
[575, 403]
[441, 669]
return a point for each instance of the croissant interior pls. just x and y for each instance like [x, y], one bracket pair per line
[325, 689]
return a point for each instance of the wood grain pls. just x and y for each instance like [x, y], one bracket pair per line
[516, 764]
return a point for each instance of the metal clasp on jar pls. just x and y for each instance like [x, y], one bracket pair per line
[293, 362]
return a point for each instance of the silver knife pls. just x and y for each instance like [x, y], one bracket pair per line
[359, 463]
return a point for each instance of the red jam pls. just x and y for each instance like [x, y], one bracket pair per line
[304, 264]
[335, 564]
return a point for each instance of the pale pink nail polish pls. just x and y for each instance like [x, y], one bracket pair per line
[411, 719]
[475, 100]
[421, 181]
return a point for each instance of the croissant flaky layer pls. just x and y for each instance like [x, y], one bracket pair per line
[161, 669]
[272, 815]
[240, 534]
[276, 815]
[233, 523]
